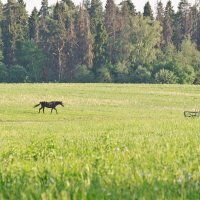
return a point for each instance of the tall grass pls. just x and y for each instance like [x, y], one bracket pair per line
[109, 142]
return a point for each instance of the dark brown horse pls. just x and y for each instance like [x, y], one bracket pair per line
[51, 105]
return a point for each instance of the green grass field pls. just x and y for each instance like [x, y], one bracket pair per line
[110, 141]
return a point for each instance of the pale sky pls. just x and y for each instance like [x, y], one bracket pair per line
[139, 4]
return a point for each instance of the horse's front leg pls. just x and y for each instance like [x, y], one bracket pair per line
[56, 110]
[51, 110]
[43, 109]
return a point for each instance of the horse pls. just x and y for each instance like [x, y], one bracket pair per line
[51, 105]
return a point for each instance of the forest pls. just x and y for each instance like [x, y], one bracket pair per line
[90, 43]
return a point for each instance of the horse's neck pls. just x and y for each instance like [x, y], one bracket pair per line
[56, 103]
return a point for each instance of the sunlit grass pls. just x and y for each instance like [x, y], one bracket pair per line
[109, 142]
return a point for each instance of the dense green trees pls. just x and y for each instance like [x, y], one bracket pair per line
[86, 43]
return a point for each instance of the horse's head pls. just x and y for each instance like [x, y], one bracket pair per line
[61, 103]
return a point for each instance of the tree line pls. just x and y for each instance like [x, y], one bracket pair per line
[89, 43]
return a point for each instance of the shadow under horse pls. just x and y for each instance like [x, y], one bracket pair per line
[51, 105]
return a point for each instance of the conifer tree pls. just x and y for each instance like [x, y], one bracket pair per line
[14, 29]
[1, 10]
[182, 23]
[84, 39]
[129, 7]
[22, 20]
[71, 54]
[99, 47]
[58, 37]
[160, 18]
[99, 34]
[168, 24]
[87, 5]
[63, 40]
[44, 10]
[193, 20]
[1, 43]
[198, 25]
[111, 27]
[33, 25]
[69, 3]
[44, 37]
[160, 12]
[96, 15]
[148, 11]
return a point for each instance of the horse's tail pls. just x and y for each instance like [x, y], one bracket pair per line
[36, 105]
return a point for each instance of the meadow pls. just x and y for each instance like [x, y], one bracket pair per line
[110, 141]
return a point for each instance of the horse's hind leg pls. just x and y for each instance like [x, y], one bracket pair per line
[40, 109]
[56, 110]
